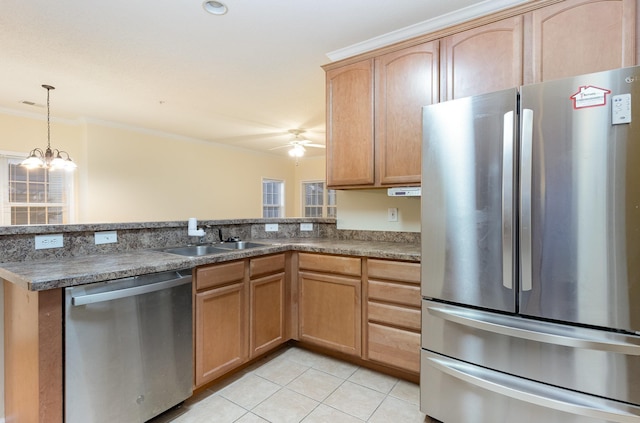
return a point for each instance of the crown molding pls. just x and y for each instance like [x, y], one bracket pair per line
[471, 12]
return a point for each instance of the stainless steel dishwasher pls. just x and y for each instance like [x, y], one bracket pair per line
[128, 348]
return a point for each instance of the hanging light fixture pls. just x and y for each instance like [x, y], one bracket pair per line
[48, 159]
[297, 150]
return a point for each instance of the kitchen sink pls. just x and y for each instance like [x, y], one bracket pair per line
[239, 245]
[204, 250]
[194, 250]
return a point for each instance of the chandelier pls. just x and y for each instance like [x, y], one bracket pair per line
[48, 159]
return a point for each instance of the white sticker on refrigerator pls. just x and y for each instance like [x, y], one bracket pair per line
[621, 109]
[590, 96]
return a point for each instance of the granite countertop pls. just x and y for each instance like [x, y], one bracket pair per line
[41, 275]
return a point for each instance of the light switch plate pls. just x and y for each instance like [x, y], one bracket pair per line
[306, 226]
[392, 214]
[49, 241]
[106, 237]
[271, 227]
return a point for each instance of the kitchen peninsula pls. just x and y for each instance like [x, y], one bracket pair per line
[34, 282]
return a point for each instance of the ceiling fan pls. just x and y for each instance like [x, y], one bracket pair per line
[298, 144]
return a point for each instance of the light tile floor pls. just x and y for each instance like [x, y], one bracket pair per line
[296, 385]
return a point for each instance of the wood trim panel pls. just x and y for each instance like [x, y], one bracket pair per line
[265, 265]
[395, 347]
[351, 266]
[613, 44]
[403, 317]
[483, 59]
[33, 342]
[394, 270]
[219, 274]
[403, 294]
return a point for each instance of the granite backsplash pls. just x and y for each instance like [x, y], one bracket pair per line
[17, 243]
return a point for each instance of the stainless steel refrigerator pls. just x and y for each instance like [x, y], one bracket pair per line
[531, 253]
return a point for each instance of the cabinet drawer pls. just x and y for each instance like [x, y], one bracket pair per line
[394, 271]
[395, 293]
[219, 274]
[395, 347]
[330, 264]
[394, 315]
[265, 265]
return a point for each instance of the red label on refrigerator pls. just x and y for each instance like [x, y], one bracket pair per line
[589, 96]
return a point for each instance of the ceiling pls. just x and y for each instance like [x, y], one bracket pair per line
[244, 78]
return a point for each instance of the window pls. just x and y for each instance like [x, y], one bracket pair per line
[34, 197]
[318, 202]
[272, 198]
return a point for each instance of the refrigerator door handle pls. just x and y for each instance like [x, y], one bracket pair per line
[526, 168]
[532, 330]
[507, 201]
[533, 392]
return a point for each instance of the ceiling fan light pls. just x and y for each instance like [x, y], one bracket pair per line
[296, 151]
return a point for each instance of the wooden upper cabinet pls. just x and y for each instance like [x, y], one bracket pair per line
[484, 59]
[405, 80]
[350, 143]
[575, 37]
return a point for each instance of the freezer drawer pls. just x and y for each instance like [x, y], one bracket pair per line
[453, 391]
[597, 362]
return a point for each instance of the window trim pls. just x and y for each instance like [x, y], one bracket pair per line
[281, 208]
[68, 205]
[325, 198]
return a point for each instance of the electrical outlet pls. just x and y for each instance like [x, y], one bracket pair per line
[392, 214]
[271, 227]
[49, 241]
[306, 226]
[106, 237]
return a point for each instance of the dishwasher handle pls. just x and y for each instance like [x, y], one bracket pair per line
[78, 300]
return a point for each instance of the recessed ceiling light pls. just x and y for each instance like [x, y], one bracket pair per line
[214, 7]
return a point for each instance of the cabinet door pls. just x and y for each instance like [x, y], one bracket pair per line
[350, 144]
[482, 60]
[267, 301]
[221, 331]
[394, 346]
[575, 37]
[406, 80]
[330, 311]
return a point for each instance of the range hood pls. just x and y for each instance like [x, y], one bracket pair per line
[404, 192]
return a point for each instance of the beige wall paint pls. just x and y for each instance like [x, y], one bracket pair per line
[129, 174]
[308, 169]
[24, 132]
[164, 178]
[367, 210]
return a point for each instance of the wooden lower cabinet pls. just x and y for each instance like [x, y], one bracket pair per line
[241, 310]
[221, 320]
[330, 304]
[393, 314]
[239, 313]
[393, 346]
[267, 299]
